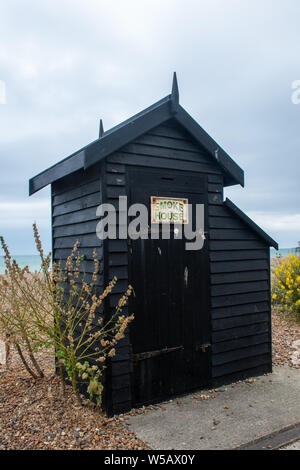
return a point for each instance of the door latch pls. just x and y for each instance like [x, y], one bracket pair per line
[202, 347]
[129, 244]
[148, 355]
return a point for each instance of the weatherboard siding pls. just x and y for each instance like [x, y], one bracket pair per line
[75, 199]
[240, 299]
[240, 307]
[166, 146]
[239, 259]
[74, 203]
[118, 374]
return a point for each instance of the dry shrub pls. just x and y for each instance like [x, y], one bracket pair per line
[57, 309]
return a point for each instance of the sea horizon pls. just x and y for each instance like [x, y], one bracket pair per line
[33, 261]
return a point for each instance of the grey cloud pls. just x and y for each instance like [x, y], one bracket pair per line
[67, 63]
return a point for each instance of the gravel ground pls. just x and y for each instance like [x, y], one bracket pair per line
[33, 414]
[284, 334]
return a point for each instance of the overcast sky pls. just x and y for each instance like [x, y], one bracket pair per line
[67, 63]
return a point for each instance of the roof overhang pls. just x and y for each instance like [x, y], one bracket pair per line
[263, 235]
[117, 137]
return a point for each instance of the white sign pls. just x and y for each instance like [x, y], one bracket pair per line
[166, 210]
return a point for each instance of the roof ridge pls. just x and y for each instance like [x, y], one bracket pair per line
[128, 130]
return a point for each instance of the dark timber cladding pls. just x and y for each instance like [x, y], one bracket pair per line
[201, 318]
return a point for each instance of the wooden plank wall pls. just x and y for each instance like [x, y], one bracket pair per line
[240, 298]
[116, 264]
[74, 203]
[166, 146]
[240, 303]
[75, 199]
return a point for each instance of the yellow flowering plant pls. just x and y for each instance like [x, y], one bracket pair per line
[286, 285]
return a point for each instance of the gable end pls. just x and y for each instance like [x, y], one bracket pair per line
[263, 235]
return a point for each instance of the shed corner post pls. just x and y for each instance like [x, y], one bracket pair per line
[118, 396]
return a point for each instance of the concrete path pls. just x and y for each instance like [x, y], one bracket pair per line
[240, 413]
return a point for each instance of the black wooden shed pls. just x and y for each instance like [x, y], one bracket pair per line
[201, 317]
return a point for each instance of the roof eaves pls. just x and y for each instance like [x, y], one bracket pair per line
[111, 140]
[122, 134]
[228, 203]
[66, 166]
[221, 157]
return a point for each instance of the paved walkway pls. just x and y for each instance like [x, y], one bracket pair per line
[239, 414]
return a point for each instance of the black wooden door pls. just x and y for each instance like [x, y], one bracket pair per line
[170, 334]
